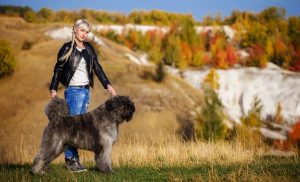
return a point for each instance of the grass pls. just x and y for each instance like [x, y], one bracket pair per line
[261, 169]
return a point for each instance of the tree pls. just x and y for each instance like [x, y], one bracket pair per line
[212, 79]
[269, 49]
[144, 42]
[172, 50]
[45, 14]
[295, 63]
[239, 16]
[231, 57]
[258, 57]
[15, 10]
[155, 53]
[219, 59]
[30, 16]
[188, 32]
[255, 33]
[132, 39]
[278, 114]
[135, 17]
[272, 14]
[280, 52]
[253, 118]
[198, 57]
[187, 54]
[294, 31]
[64, 16]
[159, 17]
[209, 123]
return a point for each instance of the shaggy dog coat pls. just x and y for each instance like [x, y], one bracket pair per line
[96, 131]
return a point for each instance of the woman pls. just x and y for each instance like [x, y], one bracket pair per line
[76, 62]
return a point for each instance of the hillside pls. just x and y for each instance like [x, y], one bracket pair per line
[24, 94]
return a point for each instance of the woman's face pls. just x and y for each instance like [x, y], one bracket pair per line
[81, 33]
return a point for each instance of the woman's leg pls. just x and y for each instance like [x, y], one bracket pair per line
[86, 101]
[77, 99]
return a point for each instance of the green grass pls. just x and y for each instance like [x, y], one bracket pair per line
[261, 169]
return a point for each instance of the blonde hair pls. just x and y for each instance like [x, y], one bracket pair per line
[78, 23]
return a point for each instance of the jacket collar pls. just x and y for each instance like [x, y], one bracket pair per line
[84, 44]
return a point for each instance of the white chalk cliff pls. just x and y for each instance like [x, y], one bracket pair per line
[239, 86]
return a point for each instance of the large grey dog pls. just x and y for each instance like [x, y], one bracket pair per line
[96, 131]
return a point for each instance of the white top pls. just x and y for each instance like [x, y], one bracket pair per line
[80, 76]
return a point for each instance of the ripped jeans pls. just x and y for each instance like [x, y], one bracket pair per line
[78, 99]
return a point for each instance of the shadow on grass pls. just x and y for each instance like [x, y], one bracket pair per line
[262, 168]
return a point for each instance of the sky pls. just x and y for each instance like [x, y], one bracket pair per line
[198, 8]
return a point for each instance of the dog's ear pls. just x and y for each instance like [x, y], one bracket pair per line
[109, 105]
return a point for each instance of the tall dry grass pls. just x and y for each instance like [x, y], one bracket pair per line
[150, 142]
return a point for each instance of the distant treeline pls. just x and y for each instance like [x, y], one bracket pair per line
[155, 17]
[267, 36]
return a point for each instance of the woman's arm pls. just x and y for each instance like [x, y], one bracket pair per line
[111, 90]
[57, 72]
[100, 73]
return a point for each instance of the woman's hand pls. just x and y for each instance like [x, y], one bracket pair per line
[111, 90]
[53, 94]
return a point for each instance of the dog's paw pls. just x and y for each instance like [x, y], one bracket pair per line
[39, 173]
[106, 170]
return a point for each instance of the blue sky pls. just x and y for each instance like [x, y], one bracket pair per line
[198, 8]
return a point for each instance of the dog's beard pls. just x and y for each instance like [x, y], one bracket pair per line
[131, 111]
[129, 117]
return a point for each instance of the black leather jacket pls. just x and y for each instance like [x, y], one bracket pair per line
[64, 70]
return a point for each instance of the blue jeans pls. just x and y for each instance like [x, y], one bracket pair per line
[78, 99]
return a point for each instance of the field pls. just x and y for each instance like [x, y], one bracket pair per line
[262, 169]
[148, 148]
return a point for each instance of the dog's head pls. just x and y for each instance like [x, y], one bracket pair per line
[120, 106]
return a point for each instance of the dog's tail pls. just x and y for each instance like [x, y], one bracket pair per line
[56, 109]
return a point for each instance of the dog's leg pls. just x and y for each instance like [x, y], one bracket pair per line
[103, 159]
[38, 165]
[49, 151]
[53, 154]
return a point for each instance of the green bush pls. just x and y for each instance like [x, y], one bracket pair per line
[26, 45]
[248, 134]
[209, 123]
[7, 59]
[253, 118]
[160, 73]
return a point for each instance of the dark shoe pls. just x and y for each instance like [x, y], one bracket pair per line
[74, 165]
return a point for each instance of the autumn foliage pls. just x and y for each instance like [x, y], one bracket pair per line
[267, 36]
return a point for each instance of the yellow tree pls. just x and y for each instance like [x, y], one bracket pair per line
[278, 115]
[212, 79]
[209, 122]
[269, 49]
